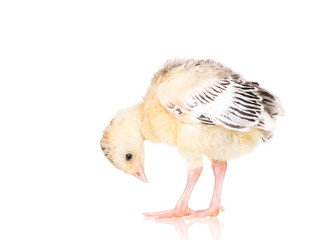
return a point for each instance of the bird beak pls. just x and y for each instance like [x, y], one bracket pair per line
[140, 174]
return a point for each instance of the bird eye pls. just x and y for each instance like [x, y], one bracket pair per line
[129, 156]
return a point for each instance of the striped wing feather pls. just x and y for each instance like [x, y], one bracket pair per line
[233, 103]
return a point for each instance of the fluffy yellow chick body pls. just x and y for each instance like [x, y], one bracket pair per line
[202, 108]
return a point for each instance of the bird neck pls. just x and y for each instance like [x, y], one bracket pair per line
[137, 113]
[157, 124]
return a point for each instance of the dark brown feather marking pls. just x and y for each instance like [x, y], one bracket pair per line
[223, 82]
[219, 90]
[201, 101]
[247, 106]
[179, 111]
[248, 119]
[209, 97]
[203, 98]
[205, 120]
[267, 100]
[170, 105]
[232, 125]
[243, 113]
[222, 88]
[266, 94]
[215, 95]
[235, 76]
[245, 88]
[248, 101]
[248, 95]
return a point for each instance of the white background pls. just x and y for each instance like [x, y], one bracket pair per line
[66, 67]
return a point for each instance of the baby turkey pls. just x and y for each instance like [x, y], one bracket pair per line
[201, 107]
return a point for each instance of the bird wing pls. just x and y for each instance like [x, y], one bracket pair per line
[228, 101]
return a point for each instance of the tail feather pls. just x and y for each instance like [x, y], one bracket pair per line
[271, 103]
[272, 107]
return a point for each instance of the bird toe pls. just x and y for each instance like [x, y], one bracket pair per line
[210, 212]
[170, 213]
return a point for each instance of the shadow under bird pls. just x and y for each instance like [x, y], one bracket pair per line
[202, 108]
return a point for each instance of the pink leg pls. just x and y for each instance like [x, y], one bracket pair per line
[219, 170]
[181, 209]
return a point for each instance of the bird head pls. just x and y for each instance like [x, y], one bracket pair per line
[123, 143]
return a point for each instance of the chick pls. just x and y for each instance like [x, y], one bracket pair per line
[202, 108]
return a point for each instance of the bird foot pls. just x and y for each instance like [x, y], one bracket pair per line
[170, 213]
[212, 211]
